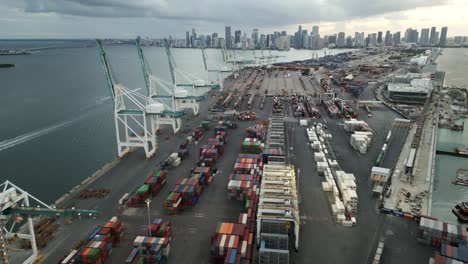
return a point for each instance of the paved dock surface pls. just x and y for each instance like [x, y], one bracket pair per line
[321, 239]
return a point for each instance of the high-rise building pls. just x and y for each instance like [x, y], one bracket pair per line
[297, 40]
[331, 39]
[228, 37]
[187, 39]
[315, 30]
[349, 41]
[443, 36]
[413, 36]
[284, 33]
[432, 39]
[379, 37]
[262, 40]
[396, 38]
[437, 37]
[424, 39]
[255, 36]
[194, 38]
[244, 41]
[340, 43]
[202, 41]
[388, 38]
[237, 36]
[214, 40]
[208, 41]
[373, 39]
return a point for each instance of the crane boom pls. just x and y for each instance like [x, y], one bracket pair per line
[34, 211]
[145, 68]
[171, 61]
[107, 68]
[204, 58]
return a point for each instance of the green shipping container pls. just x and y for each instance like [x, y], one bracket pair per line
[144, 188]
[141, 260]
[169, 197]
[94, 254]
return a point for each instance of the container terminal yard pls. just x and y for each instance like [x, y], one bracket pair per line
[293, 163]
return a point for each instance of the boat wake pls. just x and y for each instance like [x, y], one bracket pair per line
[9, 143]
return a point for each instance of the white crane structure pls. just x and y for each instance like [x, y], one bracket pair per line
[185, 97]
[16, 203]
[220, 69]
[131, 113]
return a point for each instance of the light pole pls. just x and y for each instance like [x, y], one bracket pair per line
[196, 152]
[148, 201]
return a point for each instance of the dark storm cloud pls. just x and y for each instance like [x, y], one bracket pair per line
[240, 12]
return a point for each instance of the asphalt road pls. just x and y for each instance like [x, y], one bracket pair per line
[323, 241]
[191, 228]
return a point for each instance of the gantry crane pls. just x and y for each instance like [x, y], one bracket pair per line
[15, 202]
[131, 113]
[179, 96]
[220, 70]
[185, 97]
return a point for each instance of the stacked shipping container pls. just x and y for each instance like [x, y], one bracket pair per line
[150, 188]
[188, 190]
[98, 246]
[434, 232]
[152, 249]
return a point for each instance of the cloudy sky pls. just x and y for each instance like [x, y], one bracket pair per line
[158, 18]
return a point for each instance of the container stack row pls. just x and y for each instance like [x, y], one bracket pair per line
[459, 253]
[244, 181]
[232, 243]
[361, 140]
[188, 190]
[154, 248]
[340, 185]
[356, 125]
[97, 247]
[433, 232]
[346, 183]
[444, 260]
[150, 188]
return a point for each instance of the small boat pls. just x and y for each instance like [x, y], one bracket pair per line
[460, 210]
[462, 150]
[462, 177]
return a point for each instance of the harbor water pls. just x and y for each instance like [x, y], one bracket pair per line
[56, 112]
[455, 63]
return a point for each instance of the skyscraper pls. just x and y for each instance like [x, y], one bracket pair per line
[340, 43]
[413, 36]
[315, 30]
[208, 41]
[214, 40]
[284, 33]
[187, 39]
[228, 37]
[379, 37]
[237, 36]
[194, 38]
[388, 38]
[424, 40]
[255, 36]
[396, 38]
[443, 36]
[432, 39]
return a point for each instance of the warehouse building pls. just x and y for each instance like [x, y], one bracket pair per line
[415, 92]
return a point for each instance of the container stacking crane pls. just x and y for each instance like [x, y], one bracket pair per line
[16, 203]
[131, 113]
[185, 97]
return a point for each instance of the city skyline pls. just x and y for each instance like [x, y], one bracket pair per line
[311, 39]
[158, 18]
